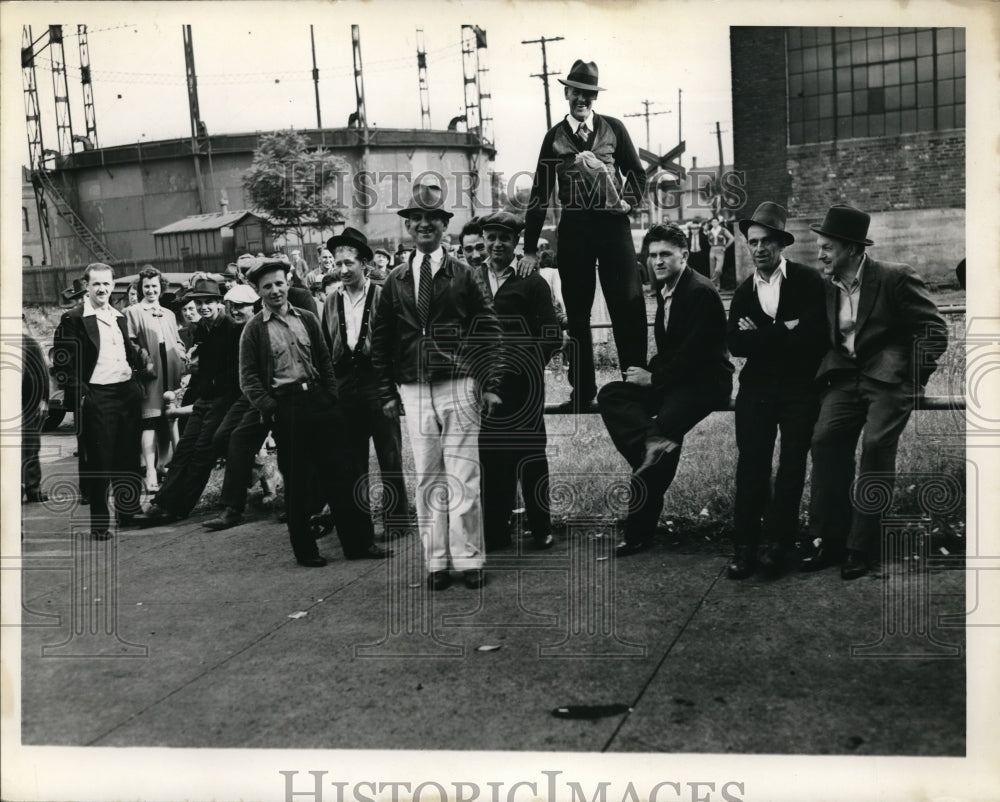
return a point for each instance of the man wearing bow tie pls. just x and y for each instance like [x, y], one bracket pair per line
[592, 161]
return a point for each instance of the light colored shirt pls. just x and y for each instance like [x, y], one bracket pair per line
[291, 350]
[416, 259]
[496, 282]
[354, 310]
[769, 289]
[112, 362]
[847, 313]
[667, 293]
[575, 123]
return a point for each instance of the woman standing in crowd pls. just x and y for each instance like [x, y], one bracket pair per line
[153, 330]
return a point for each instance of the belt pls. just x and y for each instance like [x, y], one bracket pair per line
[295, 388]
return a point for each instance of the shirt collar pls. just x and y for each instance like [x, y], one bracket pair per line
[575, 123]
[507, 272]
[289, 310]
[857, 276]
[668, 291]
[758, 279]
[364, 287]
[107, 311]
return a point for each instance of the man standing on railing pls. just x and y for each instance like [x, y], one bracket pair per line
[777, 320]
[885, 336]
[592, 161]
[649, 413]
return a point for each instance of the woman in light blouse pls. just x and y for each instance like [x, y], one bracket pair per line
[153, 330]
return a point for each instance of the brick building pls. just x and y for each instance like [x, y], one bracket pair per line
[873, 117]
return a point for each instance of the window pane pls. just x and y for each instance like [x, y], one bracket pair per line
[908, 122]
[890, 48]
[925, 43]
[960, 115]
[810, 131]
[946, 66]
[843, 79]
[859, 33]
[860, 77]
[858, 52]
[809, 84]
[843, 54]
[826, 130]
[844, 129]
[794, 85]
[875, 75]
[891, 74]
[842, 34]
[825, 81]
[907, 45]
[925, 120]
[925, 68]
[876, 100]
[823, 36]
[860, 101]
[811, 109]
[795, 133]
[860, 126]
[794, 38]
[945, 40]
[795, 61]
[960, 90]
[843, 103]
[946, 93]
[876, 125]
[907, 97]
[808, 37]
[826, 105]
[907, 72]
[892, 124]
[925, 94]
[892, 98]
[946, 117]
[824, 57]
[875, 49]
[960, 38]
[960, 64]
[795, 106]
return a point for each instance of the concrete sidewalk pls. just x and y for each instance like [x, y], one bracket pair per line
[180, 637]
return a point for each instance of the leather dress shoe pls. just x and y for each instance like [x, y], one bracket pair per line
[35, 496]
[229, 518]
[101, 534]
[373, 552]
[626, 549]
[474, 578]
[855, 566]
[312, 562]
[815, 558]
[154, 516]
[656, 449]
[438, 580]
[771, 560]
[543, 542]
[743, 563]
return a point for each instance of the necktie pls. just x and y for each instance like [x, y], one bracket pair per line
[424, 299]
[583, 132]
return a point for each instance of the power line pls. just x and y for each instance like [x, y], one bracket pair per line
[544, 74]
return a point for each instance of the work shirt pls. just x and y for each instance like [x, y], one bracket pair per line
[496, 282]
[112, 362]
[667, 293]
[769, 289]
[353, 313]
[847, 312]
[291, 351]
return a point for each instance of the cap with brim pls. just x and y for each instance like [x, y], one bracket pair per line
[771, 216]
[265, 266]
[241, 294]
[582, 75]
[426, 198]
[351, 238]
[503, 220]
[845, 223]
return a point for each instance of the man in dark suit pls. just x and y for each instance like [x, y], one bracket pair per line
[95, 363]
[777, 320]
[34, 409]
[885, 337]
[591, 161]
[649, 413]
[512, 441]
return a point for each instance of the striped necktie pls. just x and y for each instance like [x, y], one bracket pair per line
[583, 132]
[426, 287]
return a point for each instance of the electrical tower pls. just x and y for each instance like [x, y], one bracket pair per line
[359, 79]
[425, 102]
[478, 117]
[32, 112]
[60, 90]
[88, 89]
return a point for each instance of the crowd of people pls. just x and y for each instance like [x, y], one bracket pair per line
[456, 340]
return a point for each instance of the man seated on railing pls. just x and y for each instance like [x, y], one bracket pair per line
[649, 413]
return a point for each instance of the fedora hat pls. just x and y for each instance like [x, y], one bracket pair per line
[204, 288]
[772, 217]
[845, 223]
[426, 198]
[505, 220]
[266, 265]
[582, 75]
[353, 238]
[70, 295]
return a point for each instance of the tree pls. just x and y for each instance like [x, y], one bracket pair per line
[297, 188]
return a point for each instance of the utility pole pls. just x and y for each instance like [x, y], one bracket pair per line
[680, 130]
[544, 74]
[425, 103]
[195, 112]
[718, 138]
[647, 114]
[312, 40]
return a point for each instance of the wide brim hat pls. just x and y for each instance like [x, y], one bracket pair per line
[770, 215]
[426, 198]
[352, 238]
[204, 288]
[582, 75]
[266, 265]
[505, 220]
[70, 295]
[845, 223]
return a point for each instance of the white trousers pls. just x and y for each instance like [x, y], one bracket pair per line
[442, 422]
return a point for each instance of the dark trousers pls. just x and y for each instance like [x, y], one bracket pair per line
[628, 411]
[240, 443]
[759, 513]
[362, 410]
[31, 444]
[849, 404]
[308, 430]
[511, 450]
[604, 238]
[110, 426]
[194, 457]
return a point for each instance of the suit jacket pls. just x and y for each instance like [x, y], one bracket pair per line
[899, 335]
[75, 347]
[693, 348]
[779, 358]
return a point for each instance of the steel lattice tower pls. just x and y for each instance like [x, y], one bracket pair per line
[89, 114]
[425, 103]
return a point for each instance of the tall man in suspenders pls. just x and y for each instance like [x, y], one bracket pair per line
[348, 322]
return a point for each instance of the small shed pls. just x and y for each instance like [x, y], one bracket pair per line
[224, 235]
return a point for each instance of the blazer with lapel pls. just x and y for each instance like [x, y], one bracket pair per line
[778, 358]
[693, 348]
[75, 347]
[899, 335]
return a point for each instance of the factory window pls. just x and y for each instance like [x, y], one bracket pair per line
[27, 261]
[25, 225]
[860, 82]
